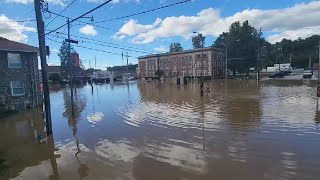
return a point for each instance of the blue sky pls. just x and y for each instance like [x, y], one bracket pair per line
[153, 32]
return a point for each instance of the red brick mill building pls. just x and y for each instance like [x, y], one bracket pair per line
[185, 63]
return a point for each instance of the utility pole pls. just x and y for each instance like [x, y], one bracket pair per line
[70, 68]
[226, 63]
[318, 88]
[122, 57]
[42, 48]
[201, 83]
[127, 63]
[258, 59]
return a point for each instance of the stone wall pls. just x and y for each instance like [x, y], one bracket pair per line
[28, 74]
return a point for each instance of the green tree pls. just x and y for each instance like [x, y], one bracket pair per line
[63, 54]
[175, 47]
[198, 41]
[242, 41]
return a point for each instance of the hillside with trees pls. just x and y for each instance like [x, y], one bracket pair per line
[243, 41]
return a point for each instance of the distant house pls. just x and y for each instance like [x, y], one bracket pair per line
[119, 71]
[54, 70]
[19, 80]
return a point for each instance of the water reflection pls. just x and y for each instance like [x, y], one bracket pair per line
[141, 130]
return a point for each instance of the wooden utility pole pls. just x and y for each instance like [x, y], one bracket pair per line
[318, 88]
[70, 69]
[127, 66]
[42, 48]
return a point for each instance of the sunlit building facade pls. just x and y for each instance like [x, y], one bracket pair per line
[190, 63]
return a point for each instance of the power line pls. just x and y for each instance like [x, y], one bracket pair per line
[143, 12]
[94, 49]
[104, 44]
[61, 12]
[114, 44]
[20, 21]
[81, 16]
[102, 27]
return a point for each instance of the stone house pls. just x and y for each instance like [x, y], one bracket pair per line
[190, 63]
[19, 80]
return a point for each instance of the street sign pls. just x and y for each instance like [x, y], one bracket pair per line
[72, 41]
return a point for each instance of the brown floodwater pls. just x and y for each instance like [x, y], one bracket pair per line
[161, 131]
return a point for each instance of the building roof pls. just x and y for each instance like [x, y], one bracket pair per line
[54, 69]
[7, 45]
[182, 52]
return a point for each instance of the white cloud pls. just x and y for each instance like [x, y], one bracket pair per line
[284, 22]
[54, 2]
[162, 49]
[303, 33]
[88, 30]
[13, 30]
[132, 28]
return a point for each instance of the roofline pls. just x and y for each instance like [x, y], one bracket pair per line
[19, 50]
[181, 52]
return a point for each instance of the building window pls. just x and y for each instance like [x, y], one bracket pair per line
[204, 56]
[204, 72]
[199, 73]
[198, 56]
[17, 88]
[14, 60]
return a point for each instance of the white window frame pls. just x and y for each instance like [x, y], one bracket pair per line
[23, 86]
[12, 67]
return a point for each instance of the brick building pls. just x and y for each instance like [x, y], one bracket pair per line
[19, 80]
[185, 63]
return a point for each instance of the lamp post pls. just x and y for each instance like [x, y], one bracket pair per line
[226, 60]
[201, 81]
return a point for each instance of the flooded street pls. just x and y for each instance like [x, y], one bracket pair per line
[157, 131]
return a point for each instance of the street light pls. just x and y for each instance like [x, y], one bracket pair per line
[201, 83]
[226, 63]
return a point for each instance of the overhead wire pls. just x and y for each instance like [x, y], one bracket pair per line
[94, 49]
[75, 19]
[114, 44]
[115, 47]
[143, 12]
[102, 27]
[61, 12]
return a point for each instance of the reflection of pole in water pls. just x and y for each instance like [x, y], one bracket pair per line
[203, 127]
[317, 115]
[53, 162]
[83, 170]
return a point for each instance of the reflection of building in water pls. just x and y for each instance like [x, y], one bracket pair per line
[162, 93]
[241, 106]
[20, 147]
[184, 63]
